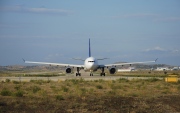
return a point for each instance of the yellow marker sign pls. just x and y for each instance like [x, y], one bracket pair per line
[171, 78]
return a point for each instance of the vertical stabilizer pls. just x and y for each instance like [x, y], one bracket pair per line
[89, 48]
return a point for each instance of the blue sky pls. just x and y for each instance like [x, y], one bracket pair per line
[58, 30]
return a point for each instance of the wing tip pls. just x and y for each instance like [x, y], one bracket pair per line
[23, 60]
[156, 59]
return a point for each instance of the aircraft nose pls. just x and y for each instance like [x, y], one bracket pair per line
[90, 66]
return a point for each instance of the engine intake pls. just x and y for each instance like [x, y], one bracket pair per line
[68, 70]
[112, 70]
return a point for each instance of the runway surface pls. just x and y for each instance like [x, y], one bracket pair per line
[84, 75]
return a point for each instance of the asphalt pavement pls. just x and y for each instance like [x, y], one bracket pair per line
[84, 75]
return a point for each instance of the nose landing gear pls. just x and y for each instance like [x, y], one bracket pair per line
[91, 73]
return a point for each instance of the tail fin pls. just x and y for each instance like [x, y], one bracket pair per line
[89, 48]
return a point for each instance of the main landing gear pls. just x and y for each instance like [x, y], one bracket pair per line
[101, 74]
[78, 74]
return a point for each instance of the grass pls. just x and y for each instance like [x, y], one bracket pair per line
[120, 87]
[78, 95]
[64, 88]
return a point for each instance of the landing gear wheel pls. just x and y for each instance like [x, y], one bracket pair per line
[78, 74]
[91, 74]
[102, 74]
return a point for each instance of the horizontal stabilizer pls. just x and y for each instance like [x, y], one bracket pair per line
[102, 58]
[78, 59]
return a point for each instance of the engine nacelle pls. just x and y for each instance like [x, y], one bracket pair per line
[112, 70]
[68, 70]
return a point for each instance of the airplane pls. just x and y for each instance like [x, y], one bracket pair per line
[90, 64]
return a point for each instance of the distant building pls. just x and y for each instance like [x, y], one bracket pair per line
[175, 68]
[162, 69]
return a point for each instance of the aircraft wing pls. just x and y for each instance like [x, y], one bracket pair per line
[129, 63]
[55, 64]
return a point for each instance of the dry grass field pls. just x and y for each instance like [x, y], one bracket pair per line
[99, 96]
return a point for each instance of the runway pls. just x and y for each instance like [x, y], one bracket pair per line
[84, 76]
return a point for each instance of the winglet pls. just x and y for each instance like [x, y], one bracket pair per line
[23, 60]
[89, 48]
[156, 59]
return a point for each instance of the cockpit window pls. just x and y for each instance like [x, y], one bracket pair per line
[91, 61]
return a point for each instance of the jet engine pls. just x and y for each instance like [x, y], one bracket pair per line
[68, 70]
[112, 70]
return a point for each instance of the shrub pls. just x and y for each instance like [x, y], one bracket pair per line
[178, 82]
[96, 80]
[74, 81]
[40, 81]
[65, 89]
[178, 88]
[16, 82]
[91, 90]
[99, 87]
[158, 87]
[101, 80]
[17, 87]
[83, 90]
[48, 81]
[165, 91]
[35, 89]
[123, 80]
[7, 80]
[112, 92]
[133, 94]
[53, 87]
[59, 97]
[19, 93]
[115, 86]
[6, 92]
[81, 80]
[152, 79]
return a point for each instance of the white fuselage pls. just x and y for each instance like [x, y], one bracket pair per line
[91, 64]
